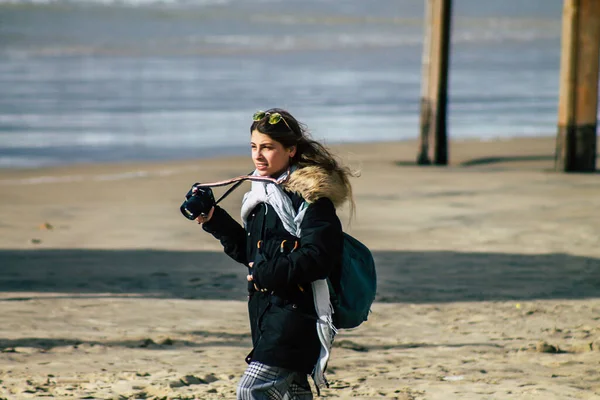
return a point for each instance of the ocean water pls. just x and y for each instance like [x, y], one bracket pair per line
[120, 80]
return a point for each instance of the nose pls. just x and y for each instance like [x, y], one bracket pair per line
[257, 154]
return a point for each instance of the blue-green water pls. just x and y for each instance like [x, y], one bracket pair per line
[96, 81]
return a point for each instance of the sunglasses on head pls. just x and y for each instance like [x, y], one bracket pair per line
[274, 118]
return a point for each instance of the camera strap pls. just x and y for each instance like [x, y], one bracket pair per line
[237, 182]
[231, 189]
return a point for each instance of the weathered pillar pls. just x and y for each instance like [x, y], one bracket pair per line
[433, 143]
[578, 101]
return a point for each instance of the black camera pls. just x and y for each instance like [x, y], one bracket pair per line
[198, 201]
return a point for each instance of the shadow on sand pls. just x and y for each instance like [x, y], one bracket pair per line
[541, 162]
[411, 277]
[215, 339]
[506, 159]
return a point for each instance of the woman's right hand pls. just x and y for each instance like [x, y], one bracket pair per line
[202, 220]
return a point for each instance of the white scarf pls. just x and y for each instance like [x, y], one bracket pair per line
[273, 194]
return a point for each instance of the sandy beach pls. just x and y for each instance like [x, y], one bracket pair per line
[489, 280]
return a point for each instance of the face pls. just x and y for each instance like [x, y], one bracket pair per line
[269, 156]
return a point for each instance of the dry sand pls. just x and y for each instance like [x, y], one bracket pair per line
[489, 280]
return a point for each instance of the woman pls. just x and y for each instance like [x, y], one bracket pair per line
[291, 241]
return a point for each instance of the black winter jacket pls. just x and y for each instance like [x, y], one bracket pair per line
[283, 318]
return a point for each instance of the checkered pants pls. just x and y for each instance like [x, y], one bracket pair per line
[262, 382]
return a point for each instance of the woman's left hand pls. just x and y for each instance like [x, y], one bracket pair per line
[250, 278]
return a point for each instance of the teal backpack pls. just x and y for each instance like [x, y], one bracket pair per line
[353, 292]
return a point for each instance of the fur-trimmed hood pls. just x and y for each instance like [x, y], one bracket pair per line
[314, 182]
